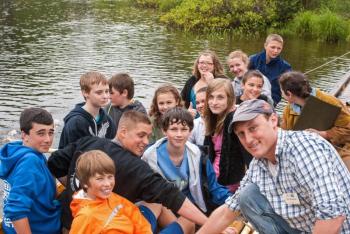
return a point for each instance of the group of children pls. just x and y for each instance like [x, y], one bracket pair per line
[112, 155]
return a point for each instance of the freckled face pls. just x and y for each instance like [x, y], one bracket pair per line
[100, 186]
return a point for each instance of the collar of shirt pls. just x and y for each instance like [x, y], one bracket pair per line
[296, 108]
[263, 163]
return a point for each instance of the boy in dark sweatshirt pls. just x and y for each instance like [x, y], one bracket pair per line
[121, 88]
[88, 118]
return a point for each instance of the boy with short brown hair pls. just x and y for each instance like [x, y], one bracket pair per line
[29, 188]
[95, 208]
[88, 118]
[121, 88]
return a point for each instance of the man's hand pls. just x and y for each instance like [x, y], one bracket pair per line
[329, 226]
[230, 230]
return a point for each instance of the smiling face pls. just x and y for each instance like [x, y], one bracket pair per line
[237, 67]
[165, 101]
[273, 49]
[40, 137]
[217, 101]
[177, 135]
[205, 64]
[259, 136]
[98, 95]
[100, 186]
[200, 102]
[134, 138]
[252, 87]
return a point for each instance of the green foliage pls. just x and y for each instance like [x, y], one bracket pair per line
[286, 9]
[332, 27]
[322, 20]
[147, 3]
[324, 25]
[305, 24]
[208, 15]
[167, 5]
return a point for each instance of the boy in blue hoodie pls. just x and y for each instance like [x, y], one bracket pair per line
[30, 189]
[182, 163]
[88, 118]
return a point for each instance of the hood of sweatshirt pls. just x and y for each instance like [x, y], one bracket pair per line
[78, 110]
[11, 153]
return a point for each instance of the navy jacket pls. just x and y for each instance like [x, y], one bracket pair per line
[273, 70]
[80, 123]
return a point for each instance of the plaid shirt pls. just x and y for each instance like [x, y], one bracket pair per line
[310, 167]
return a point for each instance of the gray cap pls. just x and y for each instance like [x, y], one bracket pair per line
[250, 109]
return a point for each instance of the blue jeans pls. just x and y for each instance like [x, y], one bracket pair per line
[173, 228]
[258, 211]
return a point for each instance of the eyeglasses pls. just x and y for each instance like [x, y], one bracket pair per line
[205, 63]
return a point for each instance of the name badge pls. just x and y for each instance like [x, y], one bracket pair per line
[291, 198]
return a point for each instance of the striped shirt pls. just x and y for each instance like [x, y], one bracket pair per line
[309, 166]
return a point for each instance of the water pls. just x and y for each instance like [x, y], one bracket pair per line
[46, 45]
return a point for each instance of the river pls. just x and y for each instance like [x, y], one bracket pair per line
[46, 45]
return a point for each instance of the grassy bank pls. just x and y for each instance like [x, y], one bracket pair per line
[318, 19]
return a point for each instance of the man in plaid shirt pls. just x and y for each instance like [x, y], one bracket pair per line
[296, 183]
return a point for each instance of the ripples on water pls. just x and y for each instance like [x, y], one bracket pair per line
[46, 46]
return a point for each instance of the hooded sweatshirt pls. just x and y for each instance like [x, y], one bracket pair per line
[80, 123]
[112, 215]
[30, 189]
[116, 112]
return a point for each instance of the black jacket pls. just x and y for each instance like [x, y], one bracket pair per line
[116, 112]
[135, 180]
[186, 91]
[234, 158]
[80, 123]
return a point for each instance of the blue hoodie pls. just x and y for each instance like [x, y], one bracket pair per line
[80, 123]
[273, 70]
[30, 189]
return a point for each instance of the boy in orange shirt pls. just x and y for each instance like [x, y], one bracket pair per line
[95, 208]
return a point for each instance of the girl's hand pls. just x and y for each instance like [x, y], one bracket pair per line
[192, 111]
[208, 77]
